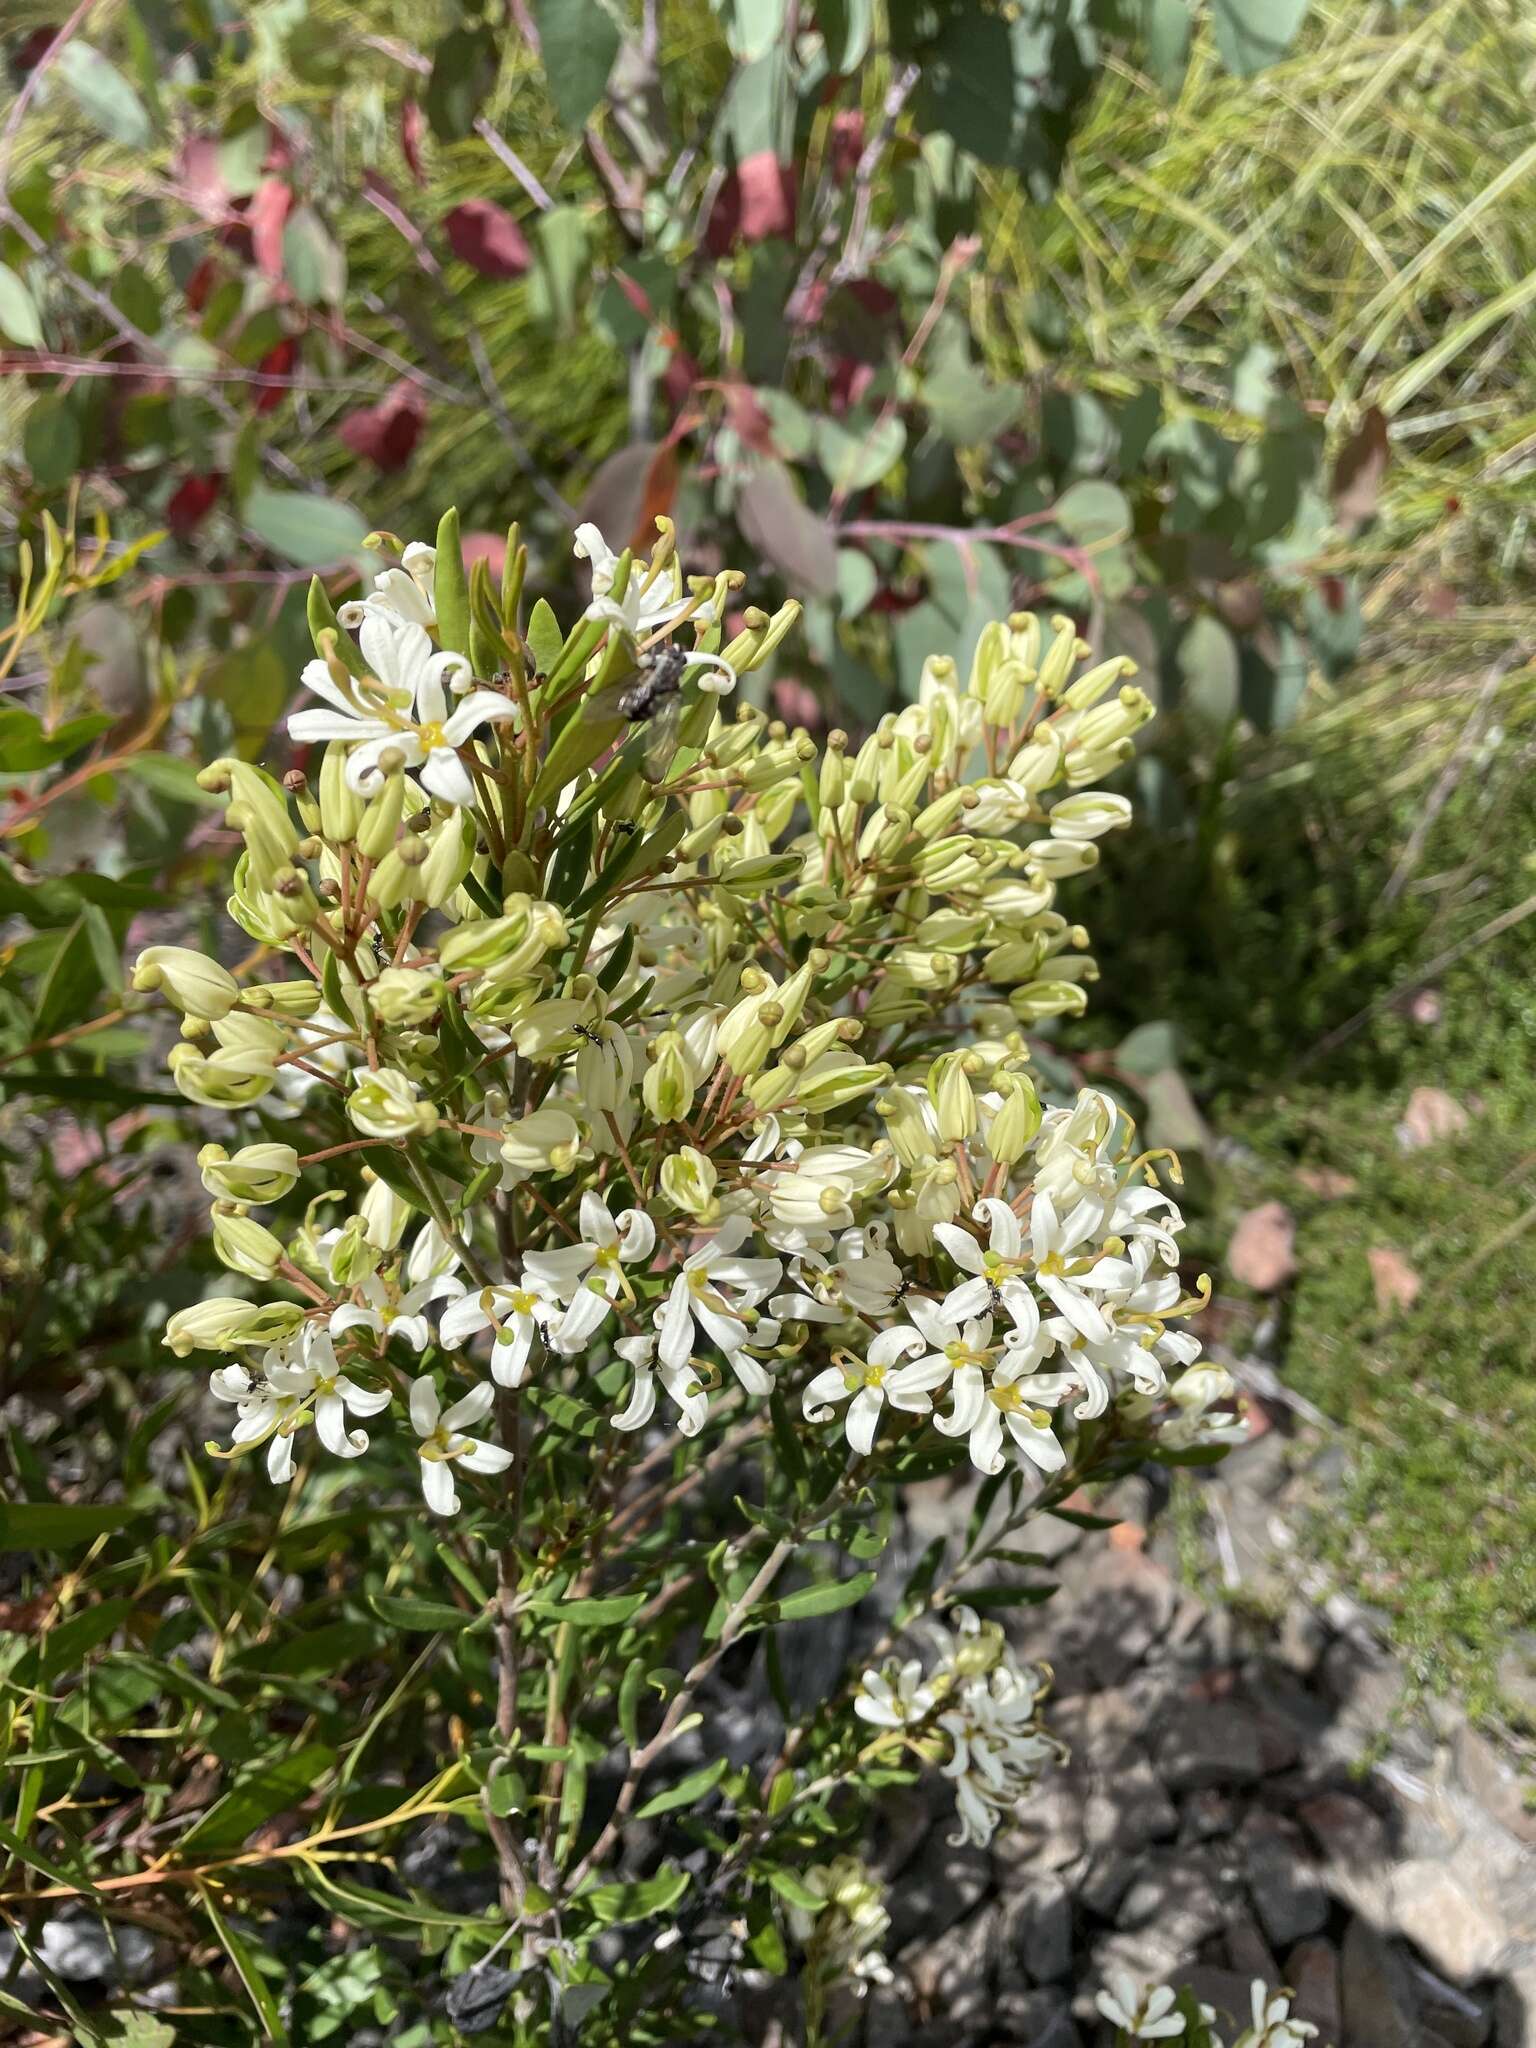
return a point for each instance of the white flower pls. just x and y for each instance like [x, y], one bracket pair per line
[1018, 1399]
[863, 1280]
[298, 1380]
[811, 1196]
[998, 1748]
[681, 1382]
[895, 1697]
[997, 1270]
[1273, 2026]
[1145, 2016]
[1072, 1156]
[407, 715]
[699, 1297]
[388, 1312]
[405, 591]
[516, 1314]
[589, 1275]
[867, 1384]
[441, 1447]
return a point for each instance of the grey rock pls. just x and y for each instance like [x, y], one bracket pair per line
[1376, 1991]
[938, 1890]
[1492, 1780]
[1034, 2019]
[1117, 1604]
[886, 2020]
[1463, 2018]
[952, 1977]
[79, 1951]
[1514, 2011]
[1516, 1676]
[1448, 1913]
[1048, 1832]
[1355, 1851]
[1283, 1884]
[1248, 1953]
[1174, 1892]
[1312, 1971]
[1303, 1638]
[1128, 1808]
[1229, 1992]
[1210, 1744]
[1036, 1932]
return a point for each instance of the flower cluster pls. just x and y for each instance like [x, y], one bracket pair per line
[844, 1937]
[625, 1009]
[975, 1712]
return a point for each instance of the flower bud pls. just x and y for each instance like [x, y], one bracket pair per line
[245, 1246]
[341, 808]
[225, 1321]
[405, 995]
[284, 998]
[1096, 681]
[837, 1078]
[1061, 657]
[1012, 1130]
[1058, 859]
[190, 982]
[668, 1087]
[351, 1256]
[832, 787]
[1037, 764]
[1037, 1000]
[387, 1104]
[1089, 815]
[450, 856]
[384, 1215]
[256, 1173]
[546, 1141]
[911, 1134]
[688, 1181]
[1106, 724]
[953, 1099]
[226, 1079]
[381, 817]
[258, 811]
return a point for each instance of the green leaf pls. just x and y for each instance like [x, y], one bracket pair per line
[562, 240]
[688, 1791]
[256, 1987]
[311, 532]
[168, 775]
[1092, 512]
[464, 67]
[451, 585]
[253, 684]
[1208, 668]
[51, 442]
[793, 537]
[964, 404]
[25, 744]
[19, 319]
[579, 40]
[590, 1613]
[105, 96]
[426, 1616]
[1251, 34]
[131, 2029]
[615, 1905]
[318, 1652]
[56, 1873]
[1149, 1048]
[825, 1598]
[313, 263]
[789, 1888]
[260, 1791]
[48, 1525]
[545, 638]
[1166, 26]
[855, 456]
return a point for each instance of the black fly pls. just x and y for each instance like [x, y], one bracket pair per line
[661, 678]
[587, 1032]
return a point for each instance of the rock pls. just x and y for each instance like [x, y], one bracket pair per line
[952, 1977]
[1262, 1251]
[1462, 2018]
[1248, 1953]
[1229, 1992]
[1036, 1932]
[1514, 2008]
[937, 1890]
[886, 2020]
[1495, 1784]
[1283, 1884]
[1030, 2019]
[1208, 1745]
[1312, 1971]
[1115, 1605]
[1376, 1992]
[79, 1951]
[1303, 1638]
[1356, 1856]
[1449, 1915]
[1048, 1833]
[1126, 1810]
[1516, 1678]
[1174, 1898]
[1431, 1117]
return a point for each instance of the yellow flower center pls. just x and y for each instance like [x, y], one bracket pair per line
[432, 736]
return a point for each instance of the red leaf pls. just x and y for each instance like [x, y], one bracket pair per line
[678, 379]
[487, 238]
[757, 200]
[191, 502]
[1357, 474]
[266, 214]
[200, 178]
[413, 125]
[629, 489]
[200, 284]
[386, 434]
[845, 144]
[277, 362]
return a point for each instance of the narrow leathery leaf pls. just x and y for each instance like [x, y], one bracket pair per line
[688, 1791]
[451, 586]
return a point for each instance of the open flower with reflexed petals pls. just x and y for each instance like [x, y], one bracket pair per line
[863, 1280]
[589, 1275]
[715, 1293]
[516, 1314]
[1018, 1400]
[681, 1383]
[868, 1383]
[405, 591]
[405, 720]
[895, 1696]
[1145, 2014]
[996, 1270]
[297, 1382]
[443, 1446]
[388, 1311]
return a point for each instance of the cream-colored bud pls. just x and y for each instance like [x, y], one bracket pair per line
[911, 1134]
[546, 1141]
[387, 1104]
[1107, 724]
[953, 1098]
[385, 1215]
[1037, 1000]
[1089, 815]
[1061, 657]
[244, 1245]
[225, 1321]
[668, 1087]
[1060, 858]
[226, 1079]
[688, 1182]
[1096, 682]
[839, 1077]
[256, 1173]
[190, 982]
[1012, 1130]
[351, 1256]
[381, 817]
[405, 995]
[451, 847]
